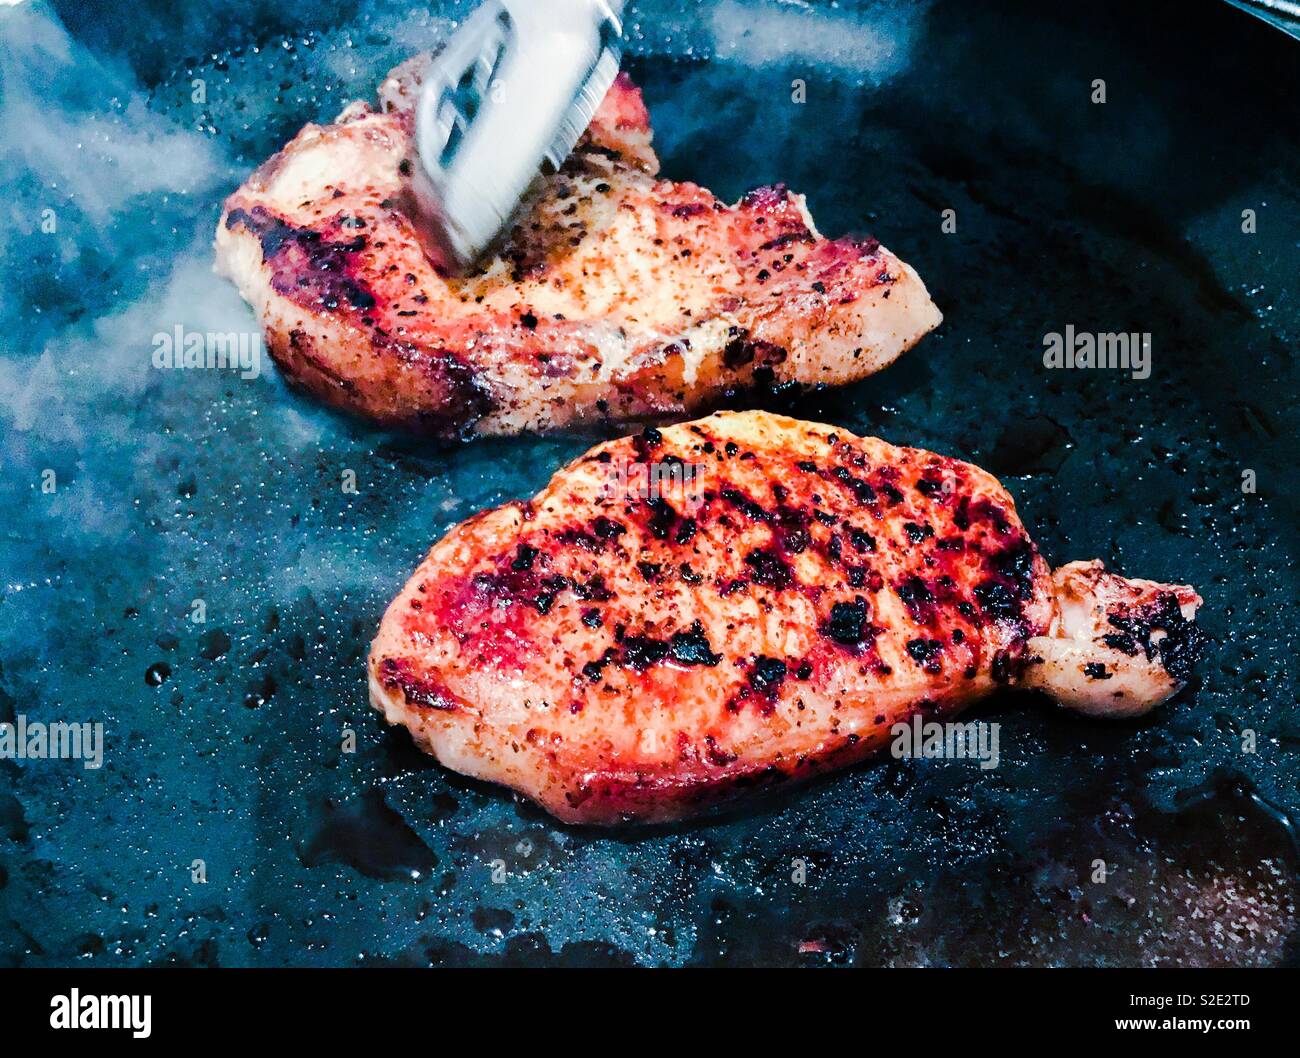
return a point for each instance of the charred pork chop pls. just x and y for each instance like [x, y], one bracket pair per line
[742, 601]
[614, 297]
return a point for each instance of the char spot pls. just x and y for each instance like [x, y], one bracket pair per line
[848, 622]
[742, 502]
[640, 652]
[607, 528]
[998, 601]
[1016, 564]
[767, 676]
[397, 674]
[692, 647]
[862, 491]
[861, 541]
[1182, 644]
[662, 517]
[305, 266]
[1125, 644]
[926, 652]
[769, 570]
[795, 540]
[593, 669]
[738, 351]
[593, 590]
[1005, 666]
[917, 597]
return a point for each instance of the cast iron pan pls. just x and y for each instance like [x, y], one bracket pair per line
[225, 738]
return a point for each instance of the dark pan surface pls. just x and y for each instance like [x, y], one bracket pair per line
[177, 486]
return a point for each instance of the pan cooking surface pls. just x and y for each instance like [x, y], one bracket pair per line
[186, 494]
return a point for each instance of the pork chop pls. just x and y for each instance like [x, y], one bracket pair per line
[743, 601]
[614, 297]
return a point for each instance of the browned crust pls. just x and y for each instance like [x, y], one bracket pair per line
[614, 298]
[824, 588]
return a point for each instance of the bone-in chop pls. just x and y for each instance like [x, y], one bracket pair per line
[764, 607]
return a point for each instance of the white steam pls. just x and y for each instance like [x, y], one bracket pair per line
[868, 46]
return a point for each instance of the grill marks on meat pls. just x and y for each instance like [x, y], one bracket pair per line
[612, 666]
[614, 296]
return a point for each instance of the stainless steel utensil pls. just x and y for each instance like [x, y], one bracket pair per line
[513, 89]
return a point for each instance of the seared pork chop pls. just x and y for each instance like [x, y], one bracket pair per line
[743, 601]
[614, 297]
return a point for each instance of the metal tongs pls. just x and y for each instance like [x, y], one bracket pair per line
[513, 90]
